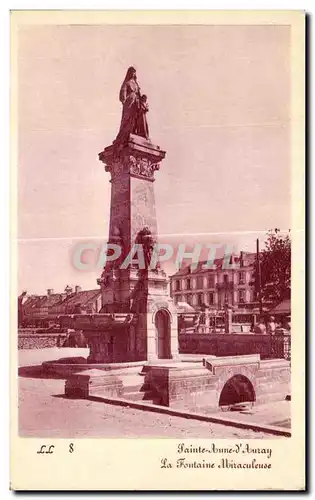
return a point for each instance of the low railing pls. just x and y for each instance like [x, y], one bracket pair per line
[235, 344]
[212, 321]
[281, 346]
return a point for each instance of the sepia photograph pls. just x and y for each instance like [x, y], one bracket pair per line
[154, 226]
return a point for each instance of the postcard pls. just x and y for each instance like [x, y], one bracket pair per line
[157, 242]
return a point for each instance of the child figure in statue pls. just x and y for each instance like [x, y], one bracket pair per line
[142, 128]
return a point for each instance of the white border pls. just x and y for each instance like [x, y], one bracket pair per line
[4, 135]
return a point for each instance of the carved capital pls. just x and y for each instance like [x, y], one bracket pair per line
[138, 158]
[142, 166]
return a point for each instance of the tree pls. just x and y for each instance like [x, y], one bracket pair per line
[275, 267]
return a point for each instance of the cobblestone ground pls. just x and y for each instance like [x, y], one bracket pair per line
[44, 412]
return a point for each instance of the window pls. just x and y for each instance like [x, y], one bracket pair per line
[241, 296]
[211, 298]
[177, 286]
[189, 299]
[200, 299]
[188, 286]
[211, 281]
[242, 278]
[200, 282]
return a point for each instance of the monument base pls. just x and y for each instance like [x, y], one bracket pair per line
[205, 386]
[130, 337]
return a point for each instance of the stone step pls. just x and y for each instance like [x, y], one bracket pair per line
[146, 367]
[136, 370]
[132, 380]
[139, 396]
[137, 388]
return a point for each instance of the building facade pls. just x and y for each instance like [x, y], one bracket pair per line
[218, 285]
[44, 310]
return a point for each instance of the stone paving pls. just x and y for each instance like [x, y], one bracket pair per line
[45, 412]
[276, 413]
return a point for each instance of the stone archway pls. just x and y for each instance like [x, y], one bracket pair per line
[163, 331]
[237, 389]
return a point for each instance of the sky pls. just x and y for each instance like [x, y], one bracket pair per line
[219, 100]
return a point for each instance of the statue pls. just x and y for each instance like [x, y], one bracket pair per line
[147, 241]
[135, 107]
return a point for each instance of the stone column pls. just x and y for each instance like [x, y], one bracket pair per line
[125, 287]
[228, 318]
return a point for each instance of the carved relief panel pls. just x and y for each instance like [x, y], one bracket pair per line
[142, 207]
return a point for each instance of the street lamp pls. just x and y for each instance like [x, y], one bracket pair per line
[215, 320]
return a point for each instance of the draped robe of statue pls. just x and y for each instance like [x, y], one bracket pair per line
[133, 120]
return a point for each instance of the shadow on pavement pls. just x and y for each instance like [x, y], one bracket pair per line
[37, 371]
[63, 396]
[73, 360]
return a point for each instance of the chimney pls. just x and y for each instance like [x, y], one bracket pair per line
[242, 259]
[50, 291]
[68, 290]
[77, 289]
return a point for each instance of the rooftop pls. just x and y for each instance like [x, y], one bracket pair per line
[245, 259]
[82, 297]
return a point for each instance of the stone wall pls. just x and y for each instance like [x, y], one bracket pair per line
[275, 346]
[187, 388]
[194, 387]
[40, 340]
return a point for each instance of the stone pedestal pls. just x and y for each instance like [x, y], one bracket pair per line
[127, 285]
